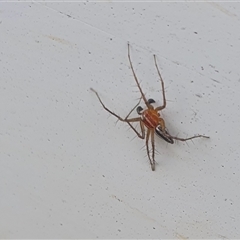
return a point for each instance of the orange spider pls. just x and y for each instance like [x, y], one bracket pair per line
[149, 118]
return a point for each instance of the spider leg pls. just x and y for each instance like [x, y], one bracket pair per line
[133, 108]
[153, 150]
[148, 150]
[186, 139]
[135, 77]
[163, 90]
[126, 119]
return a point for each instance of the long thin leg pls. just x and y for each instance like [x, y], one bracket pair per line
[163, 90]
[135, 77]
[127, 120]
[148, 150]
[142, 135]
[133, 108]
[186, 139]
[153, 149]
[142, 129]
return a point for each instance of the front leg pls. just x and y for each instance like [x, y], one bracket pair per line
[126, 119]
[162, 83]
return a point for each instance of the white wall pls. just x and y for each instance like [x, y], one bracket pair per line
[68, 170]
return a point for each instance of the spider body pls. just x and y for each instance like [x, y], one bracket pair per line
[152, 120]
[149, 119]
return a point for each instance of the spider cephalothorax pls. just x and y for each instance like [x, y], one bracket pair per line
[150, 120]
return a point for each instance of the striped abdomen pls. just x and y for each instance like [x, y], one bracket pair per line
[150, 118]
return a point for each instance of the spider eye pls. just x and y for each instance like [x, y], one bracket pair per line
[139, 109]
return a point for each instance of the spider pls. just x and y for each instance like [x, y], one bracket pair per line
[150, 119]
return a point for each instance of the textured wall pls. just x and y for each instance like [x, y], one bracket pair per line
[68, 170]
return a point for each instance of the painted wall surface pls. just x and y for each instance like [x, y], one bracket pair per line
[68, 170]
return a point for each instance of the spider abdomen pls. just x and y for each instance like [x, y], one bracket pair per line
[150, 118]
